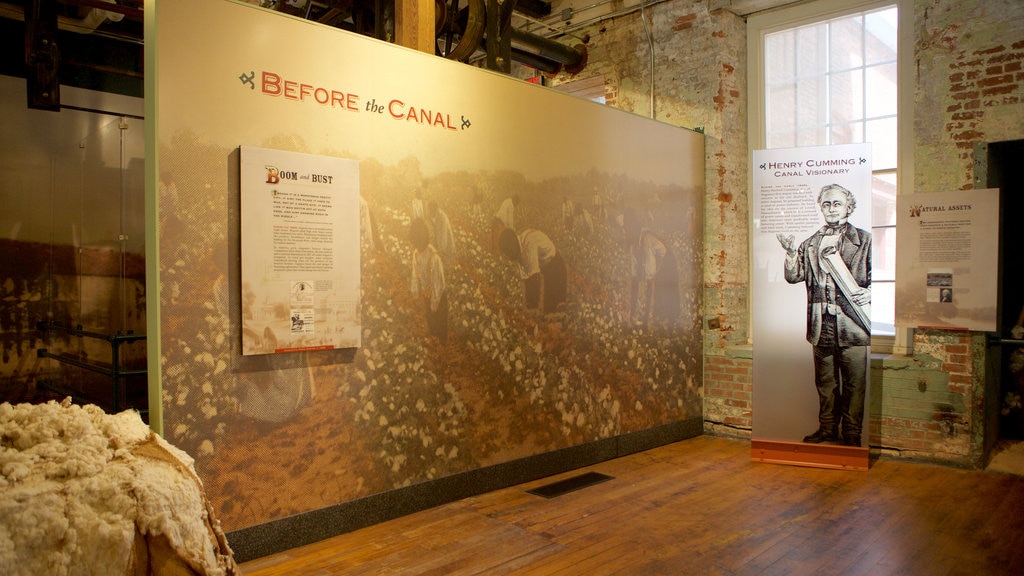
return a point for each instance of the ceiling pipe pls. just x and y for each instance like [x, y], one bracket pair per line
[86, 25]
[93, 20]
[529, 59]
[572, 27]
[536, 62]
[545, 54]
[529, 20]
[574, 59]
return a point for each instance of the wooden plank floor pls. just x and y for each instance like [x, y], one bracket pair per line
[701, 507]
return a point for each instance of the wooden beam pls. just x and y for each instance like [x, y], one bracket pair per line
[42, 55]
[414, 24]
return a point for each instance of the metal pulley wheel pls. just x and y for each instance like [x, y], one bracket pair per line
[459, 29]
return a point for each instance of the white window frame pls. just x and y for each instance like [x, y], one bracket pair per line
[761, 24]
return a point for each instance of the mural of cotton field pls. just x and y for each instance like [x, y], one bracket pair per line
[529, 271]
[292, 432]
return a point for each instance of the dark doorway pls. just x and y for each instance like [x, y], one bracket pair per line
[999, 167]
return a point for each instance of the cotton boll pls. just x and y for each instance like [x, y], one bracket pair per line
[206, 448]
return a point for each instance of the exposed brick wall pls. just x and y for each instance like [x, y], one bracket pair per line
[970, 85]
[728, 393]
[927, 406]
[981, 80]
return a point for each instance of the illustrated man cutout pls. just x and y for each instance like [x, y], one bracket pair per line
[835, 265]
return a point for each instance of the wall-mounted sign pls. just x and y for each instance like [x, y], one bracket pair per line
[300, 251]
[947, 260]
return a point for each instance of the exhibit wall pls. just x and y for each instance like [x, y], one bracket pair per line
[555, 303]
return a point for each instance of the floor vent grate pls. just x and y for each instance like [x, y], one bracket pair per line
[569, 484]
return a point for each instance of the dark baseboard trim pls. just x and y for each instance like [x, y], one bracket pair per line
[309, 527]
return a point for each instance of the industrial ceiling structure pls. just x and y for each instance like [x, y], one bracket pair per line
[98, 44]
[95, 44]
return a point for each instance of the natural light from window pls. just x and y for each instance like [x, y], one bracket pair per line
[834, 82]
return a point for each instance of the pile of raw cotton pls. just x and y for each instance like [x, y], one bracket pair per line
[83, 493]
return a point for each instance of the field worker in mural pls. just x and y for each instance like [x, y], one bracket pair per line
[476, 209]
[504, 218]
[597, 203]
[567, 212]
[582, 222]
[835, 265]
[417, 205]
[444, 239]
[367, 232]
[541, 266]
[654, 274]
[168, 191]
[428, 279]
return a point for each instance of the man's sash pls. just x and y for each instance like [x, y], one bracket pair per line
[846, 283]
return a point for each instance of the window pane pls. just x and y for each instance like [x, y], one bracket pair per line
[846, 43]
[883, 308]
[882, 135]
[883, 254]
[881, 36]
[778, 57]
[883, 199]
[812, 137]
[846, 96]
[834, 82]
[811, 105]
[781, 140]
[811, 50]
[852, 133]
[881, 90]
[781, 105]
